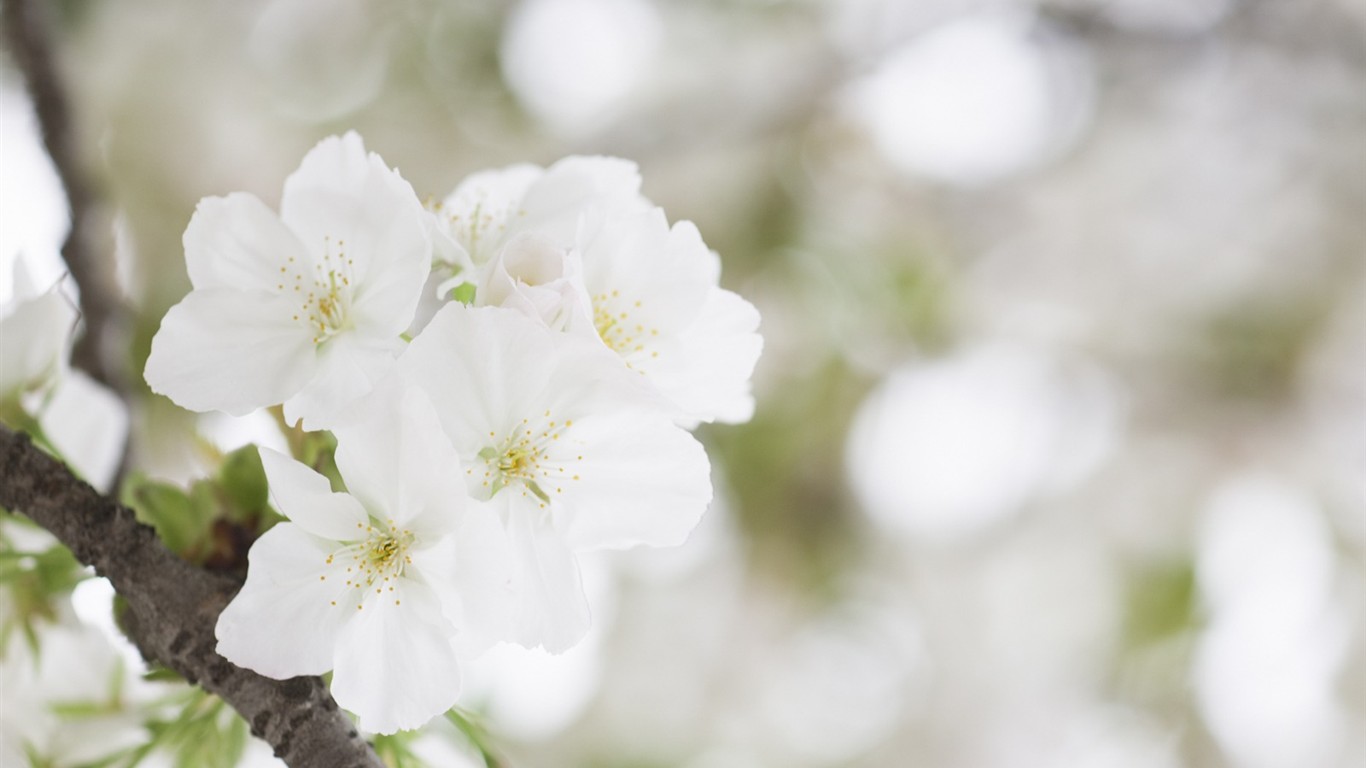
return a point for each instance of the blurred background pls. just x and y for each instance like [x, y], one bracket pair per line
[1060, 450]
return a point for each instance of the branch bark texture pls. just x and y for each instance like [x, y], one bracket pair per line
[27, 28]
[173, 607]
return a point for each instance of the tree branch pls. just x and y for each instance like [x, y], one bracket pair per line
[173, 607]
[27, 27]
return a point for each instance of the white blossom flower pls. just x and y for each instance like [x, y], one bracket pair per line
[539, 280]
[82, 420]
[88, 425]
[305, 308]
[488, 209]
[565, 443]
[69, 665]
[36, 330]
[384, 585]
[656, 303]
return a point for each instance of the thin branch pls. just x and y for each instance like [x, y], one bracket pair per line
[173, 607]
[27, 29]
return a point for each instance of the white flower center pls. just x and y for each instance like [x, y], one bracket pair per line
[377, 561]
[618, 324]
[325, 295]
[524, 460]
[473, 225]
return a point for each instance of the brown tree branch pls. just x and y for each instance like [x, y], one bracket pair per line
[173, 607]
[27, 30]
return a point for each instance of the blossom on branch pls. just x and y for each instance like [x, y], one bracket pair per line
[490, 208]
[540, 410]
[316, 298]
[385, 585]
[569, 448]
[655, 302]
[75, 416]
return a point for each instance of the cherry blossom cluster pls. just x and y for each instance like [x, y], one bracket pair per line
[511, 375]
[65, 410]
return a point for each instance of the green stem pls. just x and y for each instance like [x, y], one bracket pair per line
[478, 736]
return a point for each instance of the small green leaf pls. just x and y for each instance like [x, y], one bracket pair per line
[244, 483]
[463, 293]
[180, 519]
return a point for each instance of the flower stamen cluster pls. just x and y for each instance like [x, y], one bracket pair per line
[327, 305]
[380, 557]
[537, 406]
[523, 458]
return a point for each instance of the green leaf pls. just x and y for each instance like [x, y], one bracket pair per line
[180, 519]
[244, 484]
[476, 734]
[463, 293]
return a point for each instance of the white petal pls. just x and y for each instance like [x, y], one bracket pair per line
[542, 281]
[483, 368]
[282, 623]
[396, 458]
[709, 376]
[643, 480]
[348, 369]
[484, 207]
[395, 666]
[35, 333]
[237, 242]
[693, 341]
[226, 350]
[88, 425]
[551, 607]
[472, 571]
[306, 497]
[580, 192]
[352, 206]
[647, 281]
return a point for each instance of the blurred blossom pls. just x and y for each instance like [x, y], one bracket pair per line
[36, 680]
[1072, 734]
[571, 62]
[36, 323]
[713, 542]
[440, 745]
[321, 59]
[228, 433]
[948, 448]
[678, 624]
[838, 686]
[726, 757]
[1267, 666]
[974, 100]
[1335, 393]
[93, 603]
[1164, 15]
[35, 215]
[531, 694]
[88, 425]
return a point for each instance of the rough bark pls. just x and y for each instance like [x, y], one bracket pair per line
[173, 607]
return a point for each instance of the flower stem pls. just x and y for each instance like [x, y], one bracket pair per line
[478, 737]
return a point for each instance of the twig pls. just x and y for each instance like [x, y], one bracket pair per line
[27, 29]
[173, 607]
